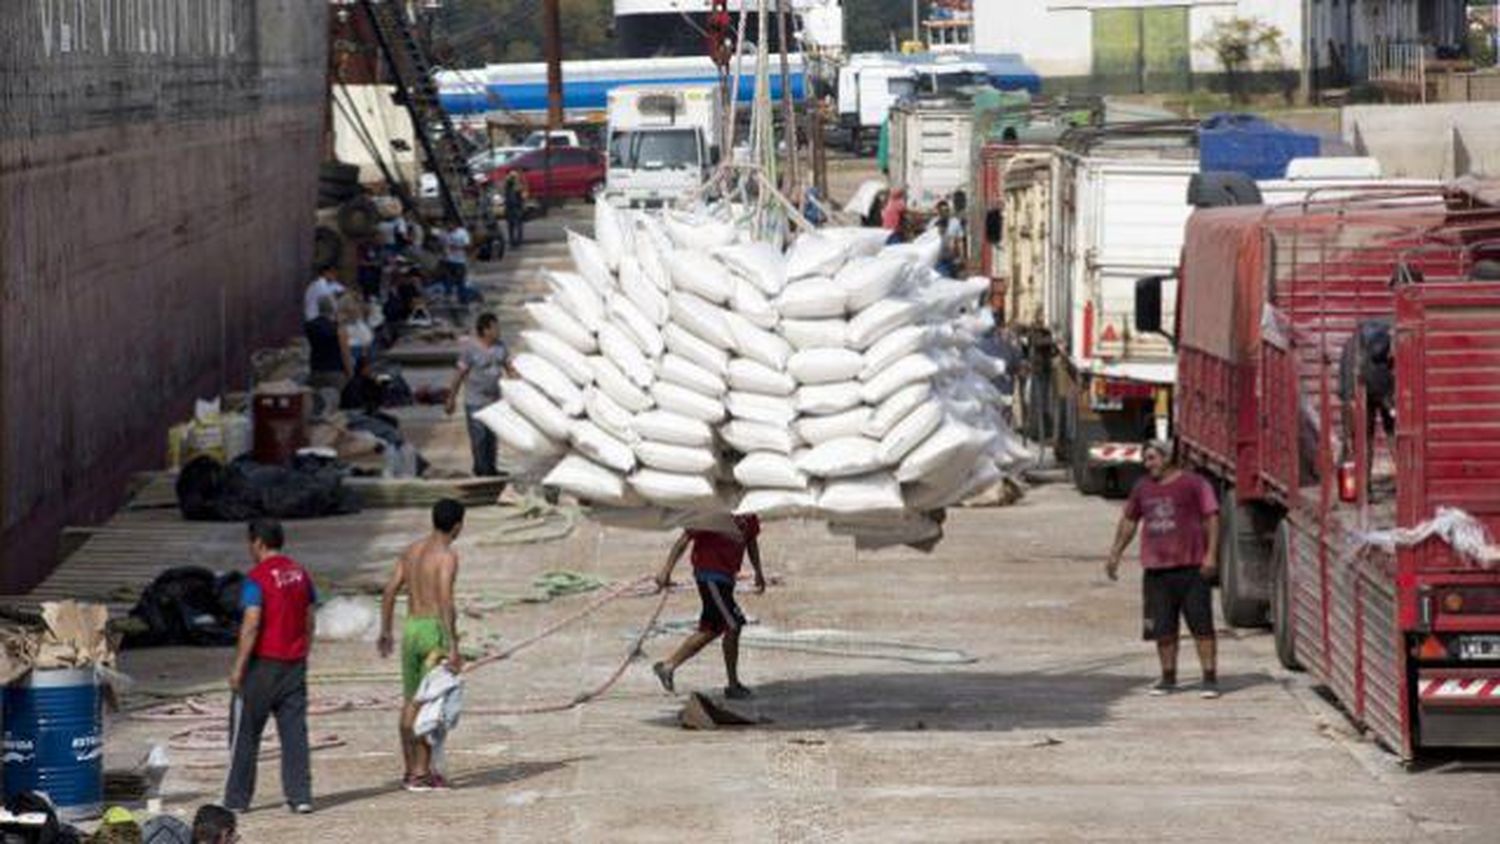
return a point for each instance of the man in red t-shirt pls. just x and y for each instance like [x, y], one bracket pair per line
[1178, 516]
[269, 676]
[717, 557]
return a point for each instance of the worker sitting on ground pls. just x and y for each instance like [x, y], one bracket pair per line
[1179, 515]
[426, 570]
[717, 558]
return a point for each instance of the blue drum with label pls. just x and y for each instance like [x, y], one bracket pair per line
[54, 740]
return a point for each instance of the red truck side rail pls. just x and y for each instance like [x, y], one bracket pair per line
[1408, 642]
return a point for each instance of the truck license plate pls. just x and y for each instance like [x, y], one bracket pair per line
[1479, 647]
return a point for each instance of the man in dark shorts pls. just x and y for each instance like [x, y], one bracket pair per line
[1178, 514]
[717, 557]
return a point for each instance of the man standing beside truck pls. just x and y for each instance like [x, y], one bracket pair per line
[1178, 515]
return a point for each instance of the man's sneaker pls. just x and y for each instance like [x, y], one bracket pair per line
[437, 783]
[300, 808]
[417, 784]
[664, 674]
[1162, 688]
[1209, 690]
[738, 692]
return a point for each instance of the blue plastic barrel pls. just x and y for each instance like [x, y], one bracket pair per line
[54, 740]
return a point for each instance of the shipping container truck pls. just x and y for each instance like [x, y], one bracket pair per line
[1314, 463]
[931, 148]
[1082, 222]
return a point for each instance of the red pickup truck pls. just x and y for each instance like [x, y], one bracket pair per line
[1320, 470]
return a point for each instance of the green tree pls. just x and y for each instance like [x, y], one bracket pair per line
[1240, 44]
[869, 24]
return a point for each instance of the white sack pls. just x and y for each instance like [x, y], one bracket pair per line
[696, 273]
[907, 370]
[638, 328]
[654, 257]
[550, 380]
[842, 458]
[758, 262]
[772, 410]
[767, 469]
[874, 492]
[698, 232]
[613, 382]
[869, 280]
[858, 241]
[701, 352]
[555, 320]
[641, 292]
[555, 351]
[514, 432]
[776, 503]
[815, 254]
[578, 296]
[748, 436]
[609, 230]
[609, 415]
[675, 458]
[880, 319]
[816, 333]
[907, 434]
[952, 447]
[755, 377]
[536, 408]
[922, 253]
[703, 320]
[825, 366]
[750, 303]
[816, 430]
[679, 370]
[591, 263]
[825, 399]
[954, 488]
[615, 344]
[673, 428]
[671, 489]
[756, 343]
[686, 402]
[891, 348]
[896, 407]
[814, 298]
[579, 477]
[594, 443]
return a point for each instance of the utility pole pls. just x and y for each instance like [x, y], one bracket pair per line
[788, 107]
[552, 49]
[916, 32]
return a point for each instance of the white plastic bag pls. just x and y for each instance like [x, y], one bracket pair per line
[755, 377]
[594, 443]
[555, 351]
[673, 428]
[825, 366]
[555, 320]
[825, 399]
[907, 370]
[591, 262]
[615, 344]
[609, 415]
[767, 469]
[696, 273]
[816, 430]
[813, 298]
[536, 408]
[550, 380]
[701, 319]
[701, 352]
[347, 618]
[686, 402]
[677, 369]
[842, 458]
[816, 333]
[895, 408]
[613, 382]
[747, 435]
[758, 262]
[675, 458]
[880, 319]
[772, 410]
[870, 493]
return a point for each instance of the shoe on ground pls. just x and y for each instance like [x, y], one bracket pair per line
[664, 674]
[1162, 688]
[416, 784]
[300, 808]
[437, 783]
[738, 692]
[1209, 691]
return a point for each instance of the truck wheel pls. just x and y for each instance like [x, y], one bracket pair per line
[1088, 480]
[1240, 547]
[1281, 599]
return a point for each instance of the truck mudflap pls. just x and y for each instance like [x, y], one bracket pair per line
[1115, 454]
[1459, 707]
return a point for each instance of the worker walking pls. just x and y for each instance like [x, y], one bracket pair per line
[717, 557]
[426, 572]
[1179, 518]
[481, 362]
[269, 676]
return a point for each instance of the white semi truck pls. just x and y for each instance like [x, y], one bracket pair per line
[663, 140]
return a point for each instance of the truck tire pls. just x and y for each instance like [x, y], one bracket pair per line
[1089, 481]
[1239, 541]
[1281, 600]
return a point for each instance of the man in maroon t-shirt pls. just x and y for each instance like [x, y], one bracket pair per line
[717, 557]
[269, 676]
[1178, 516]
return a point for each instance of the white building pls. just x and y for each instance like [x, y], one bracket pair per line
[1154, 45]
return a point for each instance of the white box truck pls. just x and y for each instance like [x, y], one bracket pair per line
[931, 149]
[663, 140]
[868, 86]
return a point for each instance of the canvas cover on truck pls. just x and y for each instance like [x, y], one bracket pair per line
[1227, 256]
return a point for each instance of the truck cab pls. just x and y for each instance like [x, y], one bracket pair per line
[662, 143]
[867, 88]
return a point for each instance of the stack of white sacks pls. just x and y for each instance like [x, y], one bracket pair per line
[685, 370]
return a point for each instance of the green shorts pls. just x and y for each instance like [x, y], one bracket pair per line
[422, 639]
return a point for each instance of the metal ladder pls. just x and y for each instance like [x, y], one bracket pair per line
[412, 72]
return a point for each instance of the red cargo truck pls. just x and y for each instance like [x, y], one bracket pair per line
[1406, 635]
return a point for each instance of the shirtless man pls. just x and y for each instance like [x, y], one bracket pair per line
[427, 570]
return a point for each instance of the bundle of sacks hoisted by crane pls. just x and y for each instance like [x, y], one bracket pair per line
[687, 370]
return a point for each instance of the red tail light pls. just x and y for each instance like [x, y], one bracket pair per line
[1432, 648]
[1348, 483]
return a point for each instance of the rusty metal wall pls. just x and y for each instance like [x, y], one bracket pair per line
[158, 177]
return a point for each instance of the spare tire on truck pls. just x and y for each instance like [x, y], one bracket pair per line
[357, 217]
[1222, 189]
